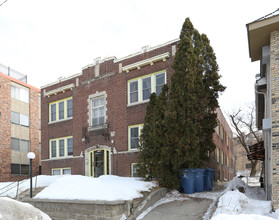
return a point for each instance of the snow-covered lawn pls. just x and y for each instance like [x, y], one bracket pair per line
[107, 188]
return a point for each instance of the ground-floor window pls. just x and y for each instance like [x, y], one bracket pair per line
[61, 171]
[134, 170]
[19, 169]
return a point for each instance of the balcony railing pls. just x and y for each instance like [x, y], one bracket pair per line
[13, 73]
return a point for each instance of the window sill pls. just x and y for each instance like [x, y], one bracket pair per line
[138, 103]
[133, 150]
[53, 122]
[60, 158]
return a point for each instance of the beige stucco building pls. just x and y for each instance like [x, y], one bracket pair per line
[263, 40]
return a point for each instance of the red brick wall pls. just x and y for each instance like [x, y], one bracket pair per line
[119, 115]
[5, 129]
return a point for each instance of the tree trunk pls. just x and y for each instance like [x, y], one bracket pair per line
[254, 164]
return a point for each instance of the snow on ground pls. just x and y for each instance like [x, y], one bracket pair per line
[250, 204]
[107, 187]
[14, 210]
[40, 181]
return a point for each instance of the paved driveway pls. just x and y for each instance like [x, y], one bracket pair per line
[191, 209]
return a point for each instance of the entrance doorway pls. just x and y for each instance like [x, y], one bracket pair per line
[98, 162]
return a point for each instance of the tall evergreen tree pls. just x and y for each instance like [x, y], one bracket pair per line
[179, 124]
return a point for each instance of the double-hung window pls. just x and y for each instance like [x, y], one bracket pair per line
[20, 145]
[61, 110]
[20, 94]
[160, 81]
[140, 89]
[61, 147]
[98, 111]
[61, 171]
[134, 135]
[134, 91]
[146, 88]
[134, 170]
[20, 119]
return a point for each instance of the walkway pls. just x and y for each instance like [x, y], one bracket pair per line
[191, 209]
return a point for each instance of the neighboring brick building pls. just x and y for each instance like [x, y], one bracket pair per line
[263, 39]
[223, 158]
[91, 121]
[19, 127]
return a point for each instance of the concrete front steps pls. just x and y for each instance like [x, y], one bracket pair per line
[25, 195]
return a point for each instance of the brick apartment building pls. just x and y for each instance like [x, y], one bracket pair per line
[19, 127]
[91, 121]
[263, 41]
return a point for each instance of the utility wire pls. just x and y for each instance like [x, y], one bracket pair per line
[3, 2]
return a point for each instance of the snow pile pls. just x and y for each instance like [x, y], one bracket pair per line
[39, 181]
[234, 204]
[14, 210]
[107, 187]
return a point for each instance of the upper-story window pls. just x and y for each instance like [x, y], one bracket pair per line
[61, 147]
[228, 141]
[140, 89]
[20, 145]
[222, 132]
[98, 111]
[218, 128]
[61, 110]
[20, 94]
[20, 119]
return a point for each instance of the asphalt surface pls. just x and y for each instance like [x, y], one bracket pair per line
[191, 209]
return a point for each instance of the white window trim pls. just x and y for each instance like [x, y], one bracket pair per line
[90, 117]
[132, 168]
[140, 126]
[140, 93]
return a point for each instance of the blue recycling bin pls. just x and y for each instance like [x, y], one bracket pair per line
[208, 179]
[199, 180]
[187, 181]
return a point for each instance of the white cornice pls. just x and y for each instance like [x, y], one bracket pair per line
[61, 80]
[145, 62]
[60, 89]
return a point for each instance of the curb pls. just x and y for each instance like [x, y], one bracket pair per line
[150, 200]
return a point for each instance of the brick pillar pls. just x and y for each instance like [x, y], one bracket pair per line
[5, 129]
[274, 71]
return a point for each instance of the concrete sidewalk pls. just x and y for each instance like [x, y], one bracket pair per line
[191, 209]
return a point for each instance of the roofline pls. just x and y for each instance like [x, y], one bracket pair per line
[115, 60]
[62, 79]
[19, 82]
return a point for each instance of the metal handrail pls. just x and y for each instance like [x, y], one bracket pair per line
[11, 186]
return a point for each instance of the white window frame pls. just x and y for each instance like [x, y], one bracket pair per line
[92, 97]
[132, 169]
[20, 94]
[140, 86]
[139, 126]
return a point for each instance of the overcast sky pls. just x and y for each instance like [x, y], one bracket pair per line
[47, 39]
